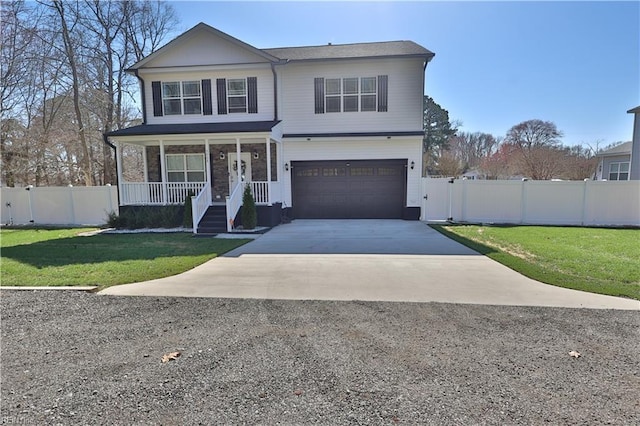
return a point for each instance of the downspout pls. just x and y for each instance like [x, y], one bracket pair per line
[142, 96]
[275, 92]
[105, 138]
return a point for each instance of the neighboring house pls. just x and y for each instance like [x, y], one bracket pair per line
[614, 163]
[331, 131]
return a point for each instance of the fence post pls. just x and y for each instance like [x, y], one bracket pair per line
[584, 202]
[450, 218]
[523, 201]
[72, 205]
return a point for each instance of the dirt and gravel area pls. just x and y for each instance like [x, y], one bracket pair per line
[78, 358]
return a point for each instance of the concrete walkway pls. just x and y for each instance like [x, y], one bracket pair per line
[374, 260]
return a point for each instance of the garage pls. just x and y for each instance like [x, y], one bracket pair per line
[349, 189]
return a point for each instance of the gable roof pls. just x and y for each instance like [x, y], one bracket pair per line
[350, 51]
[387, 49]
[623, 148]
[635, 110]
[202, 27]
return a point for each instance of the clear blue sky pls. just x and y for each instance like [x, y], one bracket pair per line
[497, 63]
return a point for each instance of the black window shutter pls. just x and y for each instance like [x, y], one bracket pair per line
[221, 88]
[207, 106]
[383, 91]
[319, 94]
[156, 91]
[252, 95]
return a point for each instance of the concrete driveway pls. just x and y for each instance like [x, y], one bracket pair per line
[374, 260]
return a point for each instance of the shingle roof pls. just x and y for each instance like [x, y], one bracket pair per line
[183, 129]
[349, 51]
[623, 148]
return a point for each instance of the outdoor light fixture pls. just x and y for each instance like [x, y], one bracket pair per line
[221, 155]
[413, 164]
[286, 167]
[255, 154]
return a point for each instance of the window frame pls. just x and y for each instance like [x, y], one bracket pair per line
[185, 168]
[618, 172]
[181, 96]
[244, 96]
[340, 98]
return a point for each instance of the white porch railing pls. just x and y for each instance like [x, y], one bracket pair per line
[199, 205]
[234, 202]
[157, 193]
[260, 192]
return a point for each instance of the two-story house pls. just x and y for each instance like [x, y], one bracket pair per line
[331, 131]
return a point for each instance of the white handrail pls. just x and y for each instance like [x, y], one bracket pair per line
[199, 205]
[234, 202]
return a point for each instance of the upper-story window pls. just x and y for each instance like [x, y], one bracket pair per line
[237, 95]
[619, 171]
[181, 97]
[351, 94]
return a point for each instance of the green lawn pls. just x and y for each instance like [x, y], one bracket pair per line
[40, 257]
[596, 260]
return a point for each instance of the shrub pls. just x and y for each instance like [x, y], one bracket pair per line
[146, 217]
[187, 220]
[249, 214]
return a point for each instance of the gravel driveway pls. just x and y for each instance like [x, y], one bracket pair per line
[76, 358]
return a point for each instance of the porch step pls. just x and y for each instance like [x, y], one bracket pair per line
[214, 221]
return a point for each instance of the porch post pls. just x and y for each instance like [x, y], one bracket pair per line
[239, 163]
[268, 170]
[163, 173]
[123, 199]
[145, 163]
[207, 161]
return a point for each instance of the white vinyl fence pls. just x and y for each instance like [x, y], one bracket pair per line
[588, 203]
[58, 205]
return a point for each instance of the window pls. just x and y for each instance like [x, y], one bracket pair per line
[337, 171]
[237, 95]
[181, 97]
[185, 168]
[619, 171]
[351, 94]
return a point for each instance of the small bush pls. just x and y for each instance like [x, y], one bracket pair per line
[146, 217]
[249, 214]
[187, 220]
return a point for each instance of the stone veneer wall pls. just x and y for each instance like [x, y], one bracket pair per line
[219, 168]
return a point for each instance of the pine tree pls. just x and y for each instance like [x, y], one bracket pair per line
[249, 214]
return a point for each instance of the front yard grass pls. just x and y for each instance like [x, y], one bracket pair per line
[60, 257]
[597, 260]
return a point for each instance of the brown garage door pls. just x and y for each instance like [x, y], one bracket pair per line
[360, 189]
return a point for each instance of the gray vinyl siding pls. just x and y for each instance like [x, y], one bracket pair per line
[405, 91]
[264, 91]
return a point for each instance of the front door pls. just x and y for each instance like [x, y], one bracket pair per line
[245, 169]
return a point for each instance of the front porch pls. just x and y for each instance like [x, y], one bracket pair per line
[212, 169]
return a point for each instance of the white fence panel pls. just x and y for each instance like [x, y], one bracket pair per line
[533, 202]
[613, 203]
[489, 201]
[558, 203]
[58, 205]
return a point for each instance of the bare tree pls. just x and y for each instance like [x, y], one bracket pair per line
[470, 148]
[539, 153]
[64, 84]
